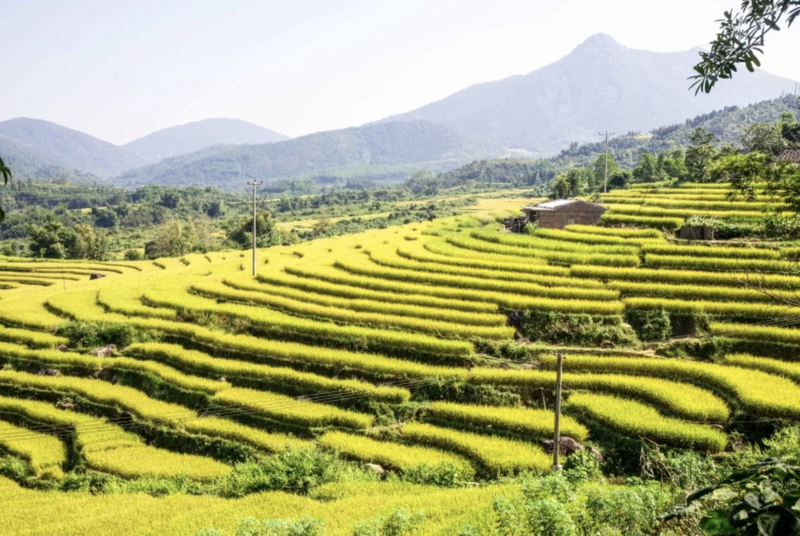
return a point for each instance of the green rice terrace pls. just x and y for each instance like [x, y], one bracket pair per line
[398, 376]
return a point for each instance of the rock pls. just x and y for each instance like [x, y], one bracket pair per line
[597, 454]
[528, 366]
[48, 372]
[105, 351]
[62, 348]
[375, 468]
[96, 276]
[66, 403]
[567, 446]
[718, 426]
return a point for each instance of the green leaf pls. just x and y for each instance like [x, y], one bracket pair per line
[716, 523]
[753, 501]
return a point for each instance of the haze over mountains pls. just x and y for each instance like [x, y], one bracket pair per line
[599, 86]
[198, 135]
[386, 148]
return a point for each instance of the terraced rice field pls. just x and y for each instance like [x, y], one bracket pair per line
[332, 334]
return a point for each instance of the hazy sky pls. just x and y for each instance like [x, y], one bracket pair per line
[119, 70]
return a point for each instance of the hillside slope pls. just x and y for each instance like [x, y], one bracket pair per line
[191, 137]
[67, 148]
[599, 86]
[381, 145]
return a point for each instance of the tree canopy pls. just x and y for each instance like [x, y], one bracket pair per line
[741, 39]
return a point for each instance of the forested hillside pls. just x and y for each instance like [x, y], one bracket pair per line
[389, 144]
[51, 143]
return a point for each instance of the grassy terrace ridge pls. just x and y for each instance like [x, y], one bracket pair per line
[391, 347]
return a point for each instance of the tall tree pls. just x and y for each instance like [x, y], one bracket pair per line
[700, 154]
[740, 38]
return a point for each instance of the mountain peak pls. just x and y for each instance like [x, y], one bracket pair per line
[600, 40]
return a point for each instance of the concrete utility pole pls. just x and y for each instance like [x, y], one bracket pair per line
[605, 173]
[254, 184]
[557, 435]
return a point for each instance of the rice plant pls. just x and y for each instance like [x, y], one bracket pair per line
[667, 223]
[499, 455]
[687, 277]
[637, 420]
[781, 399]
[522, 421]
[45, 454]
[393, 455]
[727, 264]
[613, 231]
[711, 251]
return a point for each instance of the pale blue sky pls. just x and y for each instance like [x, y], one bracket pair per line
[119, 70]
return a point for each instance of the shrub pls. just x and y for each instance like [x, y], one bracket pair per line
[650, 325]
[94, 334]
[401, 522]
[575, 329]
[305, 526]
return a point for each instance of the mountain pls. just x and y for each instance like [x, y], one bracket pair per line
[600, 86]
[25, 163]
[191, 137]
[52, 144]
[378, 147]
[726, 124]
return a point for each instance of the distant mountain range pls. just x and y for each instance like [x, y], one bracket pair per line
[380, 146]
[192, 137]
[41, 149]
[67, 148]
[600, 86]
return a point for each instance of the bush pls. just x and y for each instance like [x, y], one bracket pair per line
[401, 522]
[133, 255]
[305, 526]
[93, 334]
[575, 329]
[650, 325]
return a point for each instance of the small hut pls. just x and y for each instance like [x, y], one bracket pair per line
[562, 212]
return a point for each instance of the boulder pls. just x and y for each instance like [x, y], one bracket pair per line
[105, 351]
[567, 446]
[597, 454]
[45, 371]
[96, 276]
[62, 348]
[375, 468]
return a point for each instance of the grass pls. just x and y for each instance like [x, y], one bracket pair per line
[45, 454]
[725, 264]
[666, 223]
[499, 455]
[718, 308]
[143, 460]
[558, 257]
[613, 231]
[348, 316]
[522, 421]
[280, 378]
[287, 409]
[782, 399]
[711, 251]
[637, 420]
[688, 277]
[394, 455]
